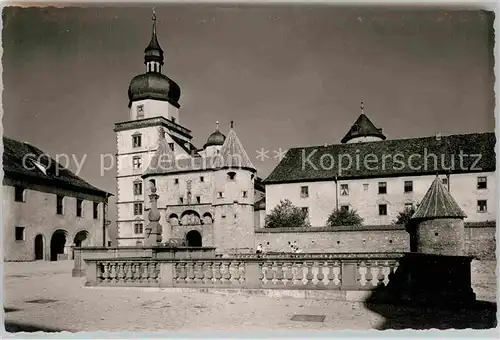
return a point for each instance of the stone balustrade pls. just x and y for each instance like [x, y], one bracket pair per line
[249, 271]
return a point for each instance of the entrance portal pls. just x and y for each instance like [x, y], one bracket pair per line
[193, 238]
[39, 247]
[57, 244]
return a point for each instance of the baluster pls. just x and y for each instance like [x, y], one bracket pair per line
[320, 276]
[190, 272]
[362, 273]
[119, 273]
[242, 271]
[217, 272]
[138, 272]
[380, 273]
[299, 276]
[199, 272]
[331, 275]
[100, 272]
[279, 275]
[338, 273]
[209, 272]
[226, 274]
[128, 271]
[183, 273]
[113, 272]
[235, 277]
[369, 275]
[106, 272]
[150, 270]
[145, 272]
[309, 275]
[288, 274]
[261, 272]
[269, 274]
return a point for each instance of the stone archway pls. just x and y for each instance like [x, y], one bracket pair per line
[82, 239]
[58, 244]
[39, 247]
[193, 238]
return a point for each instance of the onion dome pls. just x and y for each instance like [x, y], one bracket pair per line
[153, 84]
[216, 138]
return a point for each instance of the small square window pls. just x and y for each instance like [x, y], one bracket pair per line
[382, 209]
[181, 200]
[96, 210]
[382, 187]
[365, 187]
[221, 194]
[59, 205]
[176, 181]
[231, 176]
[19, 193]
[171, 146]
[198, 199]
[20, 234]
[344, 208]
[344, 189]
[173, 119]
[408, 186]
[304, 192]
[136, 141]
[138, 188]
[482, 183]
[138, 229]
[482, 206]
[140, 111]
[79, 210]
[137, 209]
[444, 181]
[202, 179]
[305, 211]
[137, 163]
[245, 194]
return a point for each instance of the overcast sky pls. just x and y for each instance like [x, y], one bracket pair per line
[287, 75]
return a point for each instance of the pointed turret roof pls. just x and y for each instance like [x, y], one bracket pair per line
[363, 127]
[163, 159]
[232, 153]
[153, 52]
[438, 203]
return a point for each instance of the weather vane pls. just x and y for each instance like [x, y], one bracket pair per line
[362, 107]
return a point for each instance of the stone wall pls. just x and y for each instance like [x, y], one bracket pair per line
[479, 239]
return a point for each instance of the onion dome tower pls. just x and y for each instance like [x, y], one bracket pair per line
[214, 142]
[153, 84]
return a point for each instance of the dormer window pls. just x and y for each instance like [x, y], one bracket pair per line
[173, 119]
[140, 111]
[171, 146]
[231, 176]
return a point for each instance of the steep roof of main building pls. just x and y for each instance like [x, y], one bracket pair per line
[438, 203]
[19, 163]
[397, 157]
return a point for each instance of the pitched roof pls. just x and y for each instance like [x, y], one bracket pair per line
[19, 162]
[233, 155]
[398, 157]
[363, 127]
[186, 146]
[438, 203]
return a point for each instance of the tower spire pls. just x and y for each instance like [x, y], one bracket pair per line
[362, 106]
[217, 125]
[153, 57]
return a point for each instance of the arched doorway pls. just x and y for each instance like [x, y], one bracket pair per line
[82, 239]
[193, 239]
[57, 244]
[39, 242]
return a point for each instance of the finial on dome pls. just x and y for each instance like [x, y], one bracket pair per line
[217, 125]
[362, 106]
[154, 14]
[232, 124]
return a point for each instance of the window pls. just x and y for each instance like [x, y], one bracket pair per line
[305, 211]
[79, 210]
[245, 194]
[59, 205]
[173, 119]
[382, 187]
[19, 194]
[96, 210]
[202, 179]
[176, 181]
[138, 243]
[137, 162]
[304, 192]
[140, 111]
[365, 187]
[138, 188]
[344, 189]
[20, 234]
[231, 176]
[444, 181]
[198, 199]
[482, 206]
[481, 183]
[138, 228]
[136, 141]
[408, 186]
[181, 200]
[408, 206]
[382, 209]
[221, 195]
[137, 208]
[171, 146]
[344, 208]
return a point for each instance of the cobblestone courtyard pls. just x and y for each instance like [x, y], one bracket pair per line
[65, 305]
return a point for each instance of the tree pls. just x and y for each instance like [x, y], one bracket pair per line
[286, 215]
[404, 216]
[344, 217]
